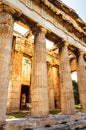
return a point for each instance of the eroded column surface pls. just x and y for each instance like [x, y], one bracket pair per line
[56, 82]
[67, 97]
[51, 88]
[39, 87]
[81, 73]
[6, 34]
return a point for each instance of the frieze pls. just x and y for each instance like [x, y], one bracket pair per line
[41, 10]
[27, 3]
[32, 5]
[53, 21]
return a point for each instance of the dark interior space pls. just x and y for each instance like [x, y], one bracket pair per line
[25, 93]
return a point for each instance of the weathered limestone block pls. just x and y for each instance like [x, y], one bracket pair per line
[6, 35]
[16, 81]
[39, 87]
[81, 73]
[52, 122]
[10, 126]
[14, 89]
[26, 71]
[67, 97]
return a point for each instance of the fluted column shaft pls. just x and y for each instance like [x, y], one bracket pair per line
[56, 82]
[51, 88]
[81, 73]
[67, 97]
[39, 87]
[6, 34]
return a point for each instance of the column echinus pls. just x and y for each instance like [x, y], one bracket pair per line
[6, 35]
[67, 97]
[39, 86]
[81, 73]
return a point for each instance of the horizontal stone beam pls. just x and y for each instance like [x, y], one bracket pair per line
[39, 15]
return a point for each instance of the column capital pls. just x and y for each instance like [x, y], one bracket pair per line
[6, 19]
[49, 64]
[66, 43]
[38, 28]
[8, 9]
[63, 44]
[41, 28]
[81, 52]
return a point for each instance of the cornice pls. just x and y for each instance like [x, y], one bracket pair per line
[69, 11]
[68, 17]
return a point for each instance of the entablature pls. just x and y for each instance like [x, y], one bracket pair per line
[38, 12]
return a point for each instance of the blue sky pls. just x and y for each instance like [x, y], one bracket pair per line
[79, 6]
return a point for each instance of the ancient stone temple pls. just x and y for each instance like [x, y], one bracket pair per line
[41, 43]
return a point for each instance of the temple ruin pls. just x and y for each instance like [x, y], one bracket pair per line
[36, 64]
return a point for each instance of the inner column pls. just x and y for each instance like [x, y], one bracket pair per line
[39, 87]
[51, 87]
[6, 34]
[67, 97]
[56, 82]
[81, 73]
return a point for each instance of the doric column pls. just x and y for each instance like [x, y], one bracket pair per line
[51, 87]
[67, 97]
[6, 35]
[81, 73]
[39, 86]
[56, 82]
